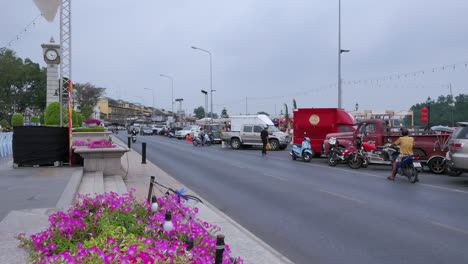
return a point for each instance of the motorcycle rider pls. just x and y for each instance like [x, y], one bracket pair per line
[406, 144]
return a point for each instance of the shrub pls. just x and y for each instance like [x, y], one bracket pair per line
[17, 120]
[76, 119]
[35, 119]
[80, 118]
[89, 129]
[4, 123]
[52, 114]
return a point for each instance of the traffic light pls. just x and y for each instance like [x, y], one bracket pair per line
[424, 114]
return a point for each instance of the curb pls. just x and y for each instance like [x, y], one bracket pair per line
[68, 195]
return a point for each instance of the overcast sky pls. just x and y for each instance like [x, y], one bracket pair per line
[269, 51]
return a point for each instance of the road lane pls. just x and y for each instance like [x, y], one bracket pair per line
[310, 212]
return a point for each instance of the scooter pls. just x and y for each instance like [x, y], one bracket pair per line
[171, 134]
[134, 138]
[303, 152]
[198, 141]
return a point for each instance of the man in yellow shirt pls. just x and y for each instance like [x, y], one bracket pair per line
[406, 149]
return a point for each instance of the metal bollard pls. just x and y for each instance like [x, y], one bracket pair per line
[129, 142]
[143, 153]
[150, 191]
[219, 249]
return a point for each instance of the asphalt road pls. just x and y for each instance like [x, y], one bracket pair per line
[313, 213]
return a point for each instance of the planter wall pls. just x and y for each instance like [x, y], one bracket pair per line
[94, 136]
[106, 160]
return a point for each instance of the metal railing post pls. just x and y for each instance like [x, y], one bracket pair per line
[143, 153]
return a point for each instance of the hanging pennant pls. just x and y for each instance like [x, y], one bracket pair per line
[48, 8]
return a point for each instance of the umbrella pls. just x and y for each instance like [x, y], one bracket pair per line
[442, 129]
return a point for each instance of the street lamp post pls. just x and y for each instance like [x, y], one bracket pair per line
[428, 103]
[172, 89]
[211, 78]
[206, 100]
[339, 55]
[356, 106]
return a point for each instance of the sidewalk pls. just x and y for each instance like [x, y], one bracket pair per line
[29, 196]
[242, 243]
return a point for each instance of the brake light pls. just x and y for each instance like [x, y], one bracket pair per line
[416, 157]
[456, 145]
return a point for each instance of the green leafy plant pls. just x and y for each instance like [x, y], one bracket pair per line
[89, 129]
[17, 120]
[4, 123]
[52, 114]
[35, 119]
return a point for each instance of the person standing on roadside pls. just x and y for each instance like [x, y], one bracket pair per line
[264, 136]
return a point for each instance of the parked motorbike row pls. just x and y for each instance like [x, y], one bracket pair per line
[360, 155]
[203, 139]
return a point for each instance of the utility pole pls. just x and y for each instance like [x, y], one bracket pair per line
[452, 105]
[339, 56]
[246, 112]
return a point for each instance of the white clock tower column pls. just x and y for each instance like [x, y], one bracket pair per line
[51, 52]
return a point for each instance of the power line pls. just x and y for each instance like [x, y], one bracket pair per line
[18, 36]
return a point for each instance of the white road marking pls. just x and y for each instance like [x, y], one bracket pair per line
[344, 196]
[276, 177]
[450, 227]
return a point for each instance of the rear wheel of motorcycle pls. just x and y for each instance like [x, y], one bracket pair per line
[412, 173]
[437, 165]
[355, 162]
[332, 160]
[306, 157]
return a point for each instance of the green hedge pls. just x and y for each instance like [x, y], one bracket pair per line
[35, 119]
[4, 123]
[52, 114]
[90, 129]
[17, 120]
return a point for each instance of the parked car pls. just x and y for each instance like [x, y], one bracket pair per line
[246, 129]
[457, 156]
[193, 130]
[146, 131]
[157, 129]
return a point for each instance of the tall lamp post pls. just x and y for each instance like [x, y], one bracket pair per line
[428, 103]
[172, 89]
[339, 55]
[206, 100]
[211, 79]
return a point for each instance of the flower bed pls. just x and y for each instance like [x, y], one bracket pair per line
[93, 121]
[118, 229]
[94, 144]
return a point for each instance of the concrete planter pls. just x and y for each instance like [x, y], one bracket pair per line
[106, 160]
[93, 136]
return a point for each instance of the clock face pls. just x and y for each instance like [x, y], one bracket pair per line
[51, 55]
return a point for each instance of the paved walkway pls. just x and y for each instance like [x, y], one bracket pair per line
[30, 188]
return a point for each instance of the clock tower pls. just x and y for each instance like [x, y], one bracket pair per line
[51, 52]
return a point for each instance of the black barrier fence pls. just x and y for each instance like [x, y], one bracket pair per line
[40, 145]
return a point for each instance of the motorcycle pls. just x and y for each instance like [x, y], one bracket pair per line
[198, 140]
[303, 152]
[171, 134]
[408, 167]
[358, 158]
[134, 138]
[337, 154]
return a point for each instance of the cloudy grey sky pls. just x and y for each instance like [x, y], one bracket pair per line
[270, 51]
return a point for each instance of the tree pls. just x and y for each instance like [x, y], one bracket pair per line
[286, 114]
[35, 119]
[86, 96]
[215, 115]
[294, 104]
[224, 113]
[22, 85]
[17, 120]
[446, 111]
[263, 113]
[199, 112]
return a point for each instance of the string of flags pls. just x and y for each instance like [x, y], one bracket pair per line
[26, 29]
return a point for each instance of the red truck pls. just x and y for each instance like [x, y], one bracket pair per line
[316, 123]
[430, 147]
